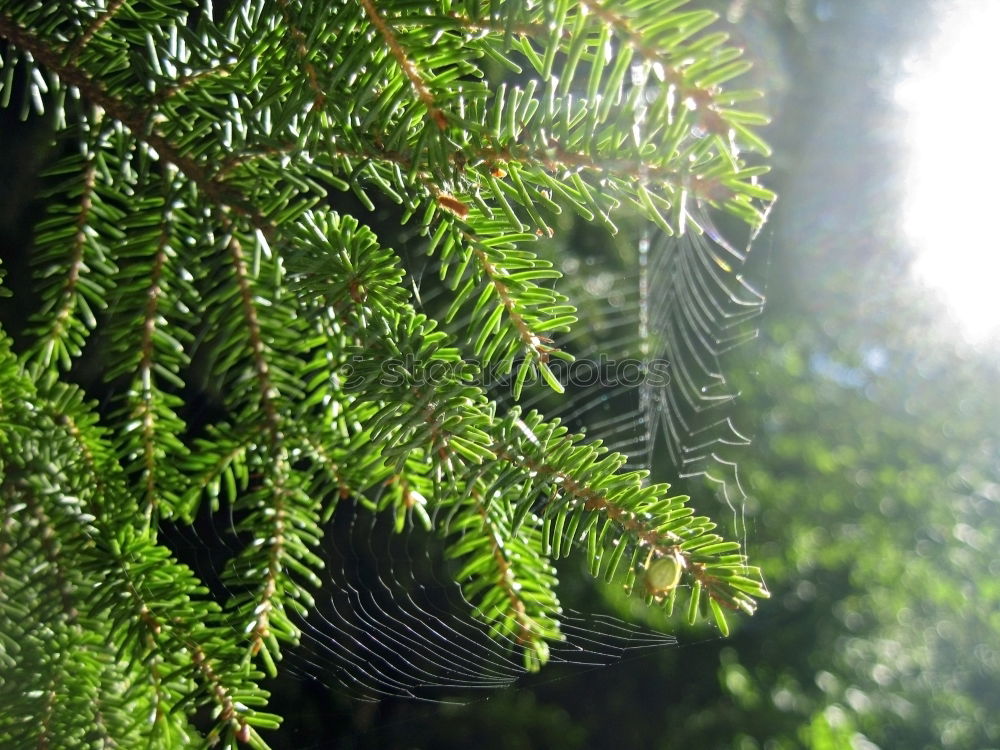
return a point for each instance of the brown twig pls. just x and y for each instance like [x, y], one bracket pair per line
[405, 63]
[76, 254]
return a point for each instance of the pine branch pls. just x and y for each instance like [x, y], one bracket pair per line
[299, 40]
[135, 562]
[96, 25]
[406, 64]
[134, 118]
[194, 234]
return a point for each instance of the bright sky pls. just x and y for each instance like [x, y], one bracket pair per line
[952, 211]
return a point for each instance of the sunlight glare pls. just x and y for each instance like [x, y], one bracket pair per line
[952, 199]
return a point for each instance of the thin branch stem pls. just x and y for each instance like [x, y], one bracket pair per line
[407, 65]
[77, 253]
[506, 580]
[134, 118]
[84, 39]
[145, 405]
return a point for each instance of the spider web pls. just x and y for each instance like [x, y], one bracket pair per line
[648, 372]
[394, 623]
[397, 625]
[391, 620]
[698, 308]
[657, 319]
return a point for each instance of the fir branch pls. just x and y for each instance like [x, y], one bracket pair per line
[538, 345]
[701, 98]
[557, 160]
[662, 58]
[298, 39]
[180, 84]
[634, 522]
[76, 263]
[145, 405]
[208, 480]
[48, 539]
[405, 63]
[527, 630]
[134, 118]
[497, 26]
[332, 469]
[269, 589]
[154, 627]
[551, 158]
[257, 347]
[96, 25]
